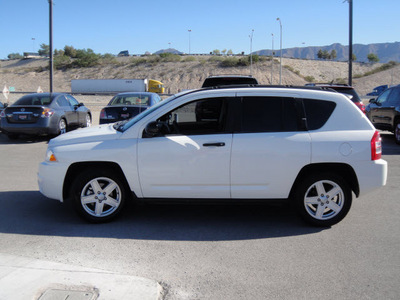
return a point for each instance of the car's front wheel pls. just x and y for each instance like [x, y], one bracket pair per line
[323, 199]
[98, 196]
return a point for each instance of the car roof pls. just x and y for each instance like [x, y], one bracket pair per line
[136, 93]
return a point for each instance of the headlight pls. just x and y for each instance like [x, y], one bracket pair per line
[50, 157]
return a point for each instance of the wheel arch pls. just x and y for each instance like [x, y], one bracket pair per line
[342, 169]
[395, 121]
[78, 167]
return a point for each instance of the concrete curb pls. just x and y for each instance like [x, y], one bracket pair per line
[24, 278]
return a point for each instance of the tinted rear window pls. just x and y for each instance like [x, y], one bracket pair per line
[317, 112]
[348, 91]
[270, 114]
[34, 100]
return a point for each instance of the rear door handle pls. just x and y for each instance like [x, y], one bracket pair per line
[214, 144]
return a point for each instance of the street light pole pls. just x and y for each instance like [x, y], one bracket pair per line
[51, 43]
[189, 39]
[350, 42]
[280, 68]
[272, 58]
[251, 52]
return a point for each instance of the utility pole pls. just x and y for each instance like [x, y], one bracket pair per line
[350, 42]
[272, 58]
[251, 52]
[51, 43]
[280, 67]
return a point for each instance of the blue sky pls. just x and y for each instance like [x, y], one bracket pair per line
[109, 26]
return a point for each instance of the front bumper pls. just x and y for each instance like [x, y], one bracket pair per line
[51, 177]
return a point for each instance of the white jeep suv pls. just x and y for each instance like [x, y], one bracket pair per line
[311, 146]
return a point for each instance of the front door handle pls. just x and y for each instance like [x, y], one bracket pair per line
[214, 144]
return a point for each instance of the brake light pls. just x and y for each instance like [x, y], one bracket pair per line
[376, 146]
[361, 106]
[47, 113]
[2, 114]
[103, 114]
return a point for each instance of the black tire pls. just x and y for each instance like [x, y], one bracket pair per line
[323, 199]
[397, 132]
[98, 196]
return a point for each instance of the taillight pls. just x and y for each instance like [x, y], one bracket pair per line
[361, 106]
[47, 113]
[2, 114]
[376, 146]
[103, 114]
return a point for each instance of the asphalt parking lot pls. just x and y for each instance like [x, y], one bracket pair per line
[210, 252]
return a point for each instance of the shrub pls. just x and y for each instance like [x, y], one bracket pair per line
[86, 58]
[189, 59]
[309, 78]
[170, 57]
[62, 62]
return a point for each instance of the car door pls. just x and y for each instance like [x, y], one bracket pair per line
[380, 110]
[393, 106]
[69, 112]
[79, 112]
[269, 147]
[191, 158]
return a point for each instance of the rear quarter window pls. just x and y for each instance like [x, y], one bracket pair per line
[317, 112]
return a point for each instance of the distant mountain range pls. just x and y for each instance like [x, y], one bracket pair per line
[385, 51]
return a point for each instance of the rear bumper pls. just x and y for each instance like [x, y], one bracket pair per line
[371, 176]
[42, 127]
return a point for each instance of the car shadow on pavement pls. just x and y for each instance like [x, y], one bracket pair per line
[23, 139]
[28, 212]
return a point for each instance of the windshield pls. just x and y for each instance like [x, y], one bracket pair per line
[124, 125]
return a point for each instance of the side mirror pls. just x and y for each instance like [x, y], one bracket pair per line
[152, 129]
[373, 100]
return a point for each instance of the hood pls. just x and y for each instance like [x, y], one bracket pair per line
[87, 135]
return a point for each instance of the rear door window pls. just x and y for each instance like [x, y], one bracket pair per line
[270, 114]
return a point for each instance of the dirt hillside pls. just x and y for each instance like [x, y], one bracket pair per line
[26, 75]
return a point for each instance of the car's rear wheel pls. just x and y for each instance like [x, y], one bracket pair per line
[62, 126]
[323, 199]
[397, 132]
[98, 196]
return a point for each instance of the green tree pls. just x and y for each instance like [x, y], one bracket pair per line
[333, 54]
[320, 53]
[44, 49]
[70, 51]
[86, 58]
[373, 58]
[230, 52]
[353, 57]
[216, 52]
[58, 52]
[14, 56]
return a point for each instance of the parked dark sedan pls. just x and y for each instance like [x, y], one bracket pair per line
[44, 114]
[124, 106]
[384, 112]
